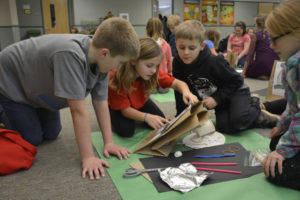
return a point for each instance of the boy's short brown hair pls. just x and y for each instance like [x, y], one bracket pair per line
[190, 29]
[173, 20]
[119, 36]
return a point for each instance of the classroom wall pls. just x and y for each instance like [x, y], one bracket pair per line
[6, 36]
[14, 23]
[90, 12]
[33, 21]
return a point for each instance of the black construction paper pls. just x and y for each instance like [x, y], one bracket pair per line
[188, 156]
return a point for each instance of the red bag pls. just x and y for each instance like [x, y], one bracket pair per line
[15, 152]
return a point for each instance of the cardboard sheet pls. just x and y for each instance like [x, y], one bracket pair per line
[161, 143]
[188, 156]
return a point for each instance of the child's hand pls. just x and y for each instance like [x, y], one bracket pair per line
[112, 148]
[275, 131]
[94, 167]
[155, 121]
[270, 161]
[209, 102]
[189, 98]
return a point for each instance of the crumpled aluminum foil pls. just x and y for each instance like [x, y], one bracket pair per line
[184, 178]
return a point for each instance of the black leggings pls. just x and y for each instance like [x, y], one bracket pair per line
[290, 176]
[125, 127]
[276, 106]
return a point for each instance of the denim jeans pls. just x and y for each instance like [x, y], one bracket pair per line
[34, 124]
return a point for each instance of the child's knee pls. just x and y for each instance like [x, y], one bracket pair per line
[34, 139]
[240, 122]
[52, 134]
[125, 131]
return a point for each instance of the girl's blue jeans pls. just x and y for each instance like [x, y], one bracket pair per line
[34, 124]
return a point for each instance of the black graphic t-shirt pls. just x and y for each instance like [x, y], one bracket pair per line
[208, 75]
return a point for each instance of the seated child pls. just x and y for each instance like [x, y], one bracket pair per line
[282, 165]
[212, 38]
[131, 85]
[215, 83]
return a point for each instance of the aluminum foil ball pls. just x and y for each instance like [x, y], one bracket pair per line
[178, 154]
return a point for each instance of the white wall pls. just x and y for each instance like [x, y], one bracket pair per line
[9, 32]
[89, 11]
[4, 13]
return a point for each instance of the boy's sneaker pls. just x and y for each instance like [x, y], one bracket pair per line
[266, 120]
[255, 99]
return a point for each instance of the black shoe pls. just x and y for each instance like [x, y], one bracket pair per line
[266, 120]
[255, 100]
[163, 90]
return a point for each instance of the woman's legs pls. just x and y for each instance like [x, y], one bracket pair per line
[242, 60]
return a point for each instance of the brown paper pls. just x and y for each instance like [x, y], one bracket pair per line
[139, 165]
[270, 96]
[164, 143]
[231, 57]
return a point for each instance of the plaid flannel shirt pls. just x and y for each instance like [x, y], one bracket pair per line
[289, 144]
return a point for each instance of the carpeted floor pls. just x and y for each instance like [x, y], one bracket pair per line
[56, 172]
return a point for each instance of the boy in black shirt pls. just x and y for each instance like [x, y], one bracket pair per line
[215, 83]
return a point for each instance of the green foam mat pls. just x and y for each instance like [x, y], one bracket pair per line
[167, 97]
[136, 188]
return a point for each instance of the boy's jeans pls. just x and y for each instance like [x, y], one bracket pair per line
[34, 124]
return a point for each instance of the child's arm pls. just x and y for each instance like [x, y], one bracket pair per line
[82, 129]
[155, 121]
[183, 88]
[170, 60]
[103, 117]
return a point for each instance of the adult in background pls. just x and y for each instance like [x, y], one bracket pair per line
[260, 56]
[239, 42]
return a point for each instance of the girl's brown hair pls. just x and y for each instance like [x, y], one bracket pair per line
[126, 74]
[242, 25]
[260, 23]
[154, 28]
[213, 34]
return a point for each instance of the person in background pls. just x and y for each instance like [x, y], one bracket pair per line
[154, 29]
[166, 30]
[282, 165]
[239, 42]
[131, 85]
[222, 47]
[109, 15]
[74, 30]
[260, 58]
[212, 39]
[250, 31]
[41, 75]
[172, 23]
